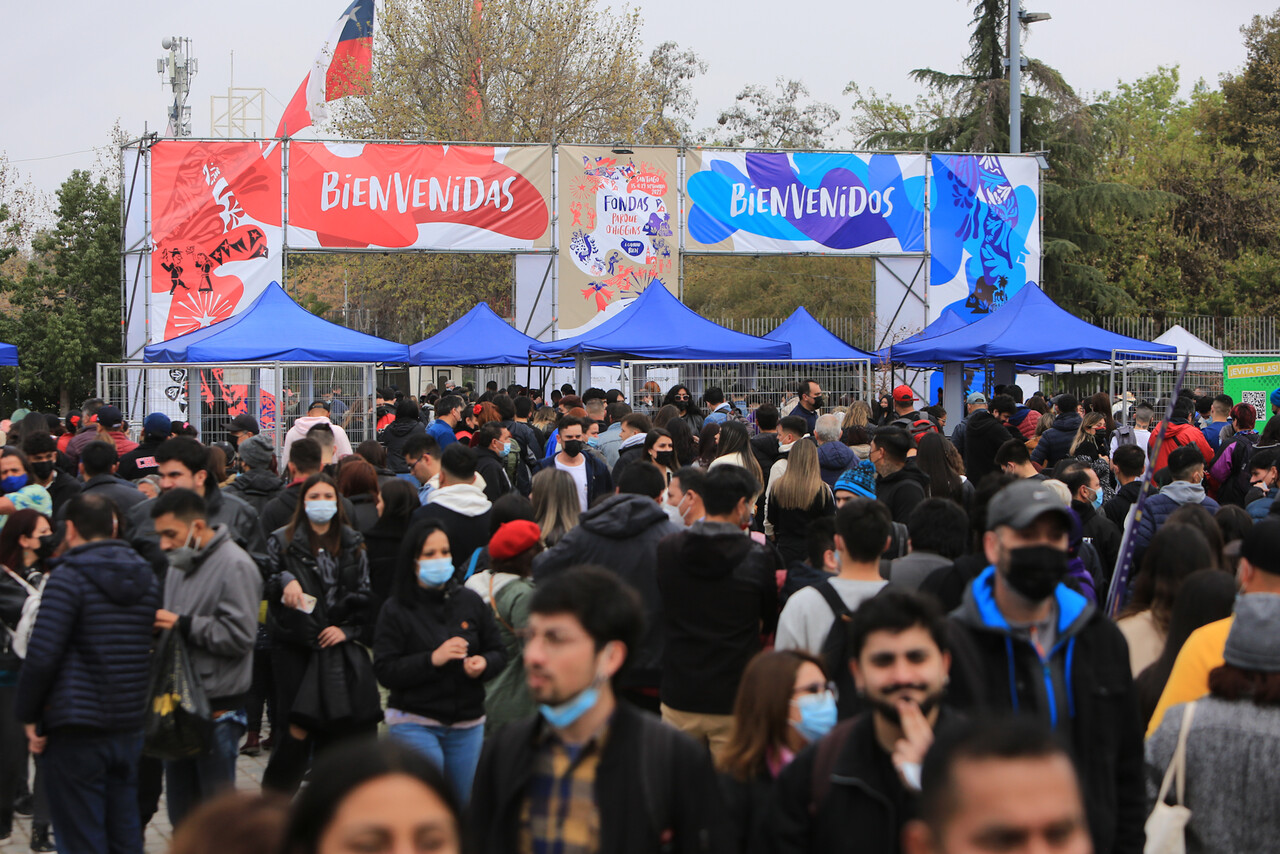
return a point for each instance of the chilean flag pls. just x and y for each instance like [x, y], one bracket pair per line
[347, 53]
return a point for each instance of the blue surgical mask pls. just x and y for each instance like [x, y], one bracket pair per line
[817, 715]
[1097, 499]
[321, 511]
[506, 448]
[435, 571]
[566, 713]
[593, 441]
[13, 483]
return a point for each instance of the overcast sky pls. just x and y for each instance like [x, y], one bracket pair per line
[74, 68]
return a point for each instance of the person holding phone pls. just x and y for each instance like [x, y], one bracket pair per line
[318, 593]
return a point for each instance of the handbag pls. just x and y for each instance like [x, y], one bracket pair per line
[1167, 824]
[179, 722]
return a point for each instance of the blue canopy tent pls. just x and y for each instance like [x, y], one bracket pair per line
[8, 355]
[1029, 328]
[810, 340]
[479, 337]
[948, 321]
[657, 327]
[274, 328]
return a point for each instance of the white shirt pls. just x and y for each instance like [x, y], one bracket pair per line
[1143, 438]
[806, 619]
[579, 475]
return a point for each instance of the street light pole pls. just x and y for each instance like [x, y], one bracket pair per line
[1017, 18]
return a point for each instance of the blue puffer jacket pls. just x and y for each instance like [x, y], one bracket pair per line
[1055, 443]
[89, 657]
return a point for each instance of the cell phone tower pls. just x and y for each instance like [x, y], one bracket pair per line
[177, 70]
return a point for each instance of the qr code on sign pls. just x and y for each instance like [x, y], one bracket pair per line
[1256, 399]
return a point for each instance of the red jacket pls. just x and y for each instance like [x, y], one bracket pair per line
[1177, 436]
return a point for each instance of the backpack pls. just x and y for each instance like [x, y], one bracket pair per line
[20, 635]
[834, 653]
[1125, 435]
[917, 426]
[1236, 485]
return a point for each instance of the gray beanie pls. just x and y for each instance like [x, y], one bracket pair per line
[256, 452]
[1254, 640]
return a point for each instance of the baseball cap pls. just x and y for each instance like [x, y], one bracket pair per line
[157, 424]
[904, 393]
[1021, 503]
[1261, 546]
[110, 416]
[976, 397]
[243, 423]
[256, 452]
[319, 404]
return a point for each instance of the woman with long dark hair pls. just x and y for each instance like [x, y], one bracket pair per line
[407, 424]
[733, 447]
[784, 703]
[944, 481]
[680, 397]
[358, 483]
[397, 499]
[318, 591]
[707, 440]
[375, 798]
[435, 645]
[684, 443]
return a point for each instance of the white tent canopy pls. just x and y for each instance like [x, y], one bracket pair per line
[1204, 356]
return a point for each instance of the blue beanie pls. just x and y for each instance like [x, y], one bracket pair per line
[1275, 397]
[860, 480]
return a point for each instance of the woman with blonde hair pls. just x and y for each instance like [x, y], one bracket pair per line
[859, 415]
[556, 507]
[1088, 441]
[1045, 422]
[795, 499]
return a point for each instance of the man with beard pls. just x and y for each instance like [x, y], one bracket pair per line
[1023, 642]
[589, 773]
[861, 780]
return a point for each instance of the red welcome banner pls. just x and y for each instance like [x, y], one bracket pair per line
[444, 197]
[215, 231]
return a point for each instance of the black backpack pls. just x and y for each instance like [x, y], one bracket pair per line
[1236, 485]
[835, 654]
[916, 424]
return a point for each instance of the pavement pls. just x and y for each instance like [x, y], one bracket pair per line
[249, 771]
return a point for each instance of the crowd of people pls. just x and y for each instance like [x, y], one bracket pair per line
[510, 625]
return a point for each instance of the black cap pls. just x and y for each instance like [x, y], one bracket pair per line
[244, 424]
[319, 404]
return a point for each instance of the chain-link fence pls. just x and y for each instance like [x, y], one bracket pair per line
[751, 383]
[209, 396]
[1138, 375]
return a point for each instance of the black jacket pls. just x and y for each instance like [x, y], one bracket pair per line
[983, 436]
[382, 544]
[1055, 443]
[622, 534]
[791, 524]
[493, 469]
[627, 456]
[278, 512]
[655, 789]
[256, 488]
[1085, 691]
[365, 515]
[123, 494]
[345, 602]
[62, 489]
[410, 629]
[765, 449]
[863, 800]
[902, 491]
[89, 658]
[141, 461]
[395, 437]
[719, 596]
[223, 509]
[1103, 533]
[466, 533]
[1118, 507]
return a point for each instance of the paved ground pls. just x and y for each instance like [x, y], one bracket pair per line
[248, 776]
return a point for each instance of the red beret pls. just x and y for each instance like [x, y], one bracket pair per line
[514, 538]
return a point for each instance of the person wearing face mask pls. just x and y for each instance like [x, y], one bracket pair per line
[491, 444]
[588, 772]
[719, 594]
[18, 489]
[683, 501]
[1086, 500]
[42, 452]
[435, 645]
[589, 473]
[211, 597]
[318, 592]
[1264, 476]
[810, 394]
[862, 780]
[1024, 642]
[785, 703]
[682, 399]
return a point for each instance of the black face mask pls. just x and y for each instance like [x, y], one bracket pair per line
[48, 543]
[666, 458]
[1034, 571]
[42, 469]
[573, 447]
[682, 405]
[819, 402]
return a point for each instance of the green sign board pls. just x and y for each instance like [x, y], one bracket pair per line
[1251, 379]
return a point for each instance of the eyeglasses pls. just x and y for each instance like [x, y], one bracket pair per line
[816, 688]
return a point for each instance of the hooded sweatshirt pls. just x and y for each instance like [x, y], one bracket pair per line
[88, 660]
[833, 459]
[902, 491]
[217, 602]
[719, 596]
[463, 509]
[1076, 680]
[621, 533]
[395, 437]
[341, 444]
[1159, 507]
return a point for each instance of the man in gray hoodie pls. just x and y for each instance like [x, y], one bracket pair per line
[1186, 465]
[211, 596]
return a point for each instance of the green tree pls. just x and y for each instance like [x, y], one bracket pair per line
[1249, 118]
[65, 306]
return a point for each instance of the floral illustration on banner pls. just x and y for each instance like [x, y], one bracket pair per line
[622, 234]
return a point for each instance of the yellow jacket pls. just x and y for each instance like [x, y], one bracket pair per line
[1189, 679]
